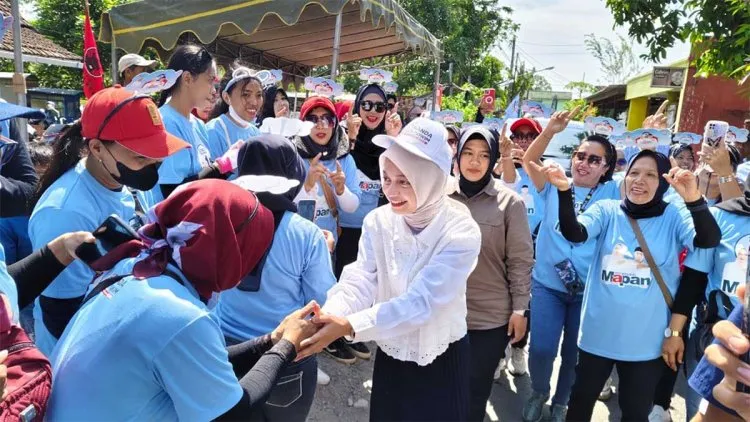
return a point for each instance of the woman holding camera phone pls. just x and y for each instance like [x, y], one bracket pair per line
[561, 269]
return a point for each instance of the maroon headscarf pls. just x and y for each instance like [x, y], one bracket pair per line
[215, 231]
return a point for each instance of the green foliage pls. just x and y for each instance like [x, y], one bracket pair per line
[465, 101]
[541, 83]
[617, 60]
[719, 30]
[62, 22]
[582, 87]
[586, 109]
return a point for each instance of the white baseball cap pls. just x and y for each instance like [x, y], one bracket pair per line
[424, 138]
[133, 60]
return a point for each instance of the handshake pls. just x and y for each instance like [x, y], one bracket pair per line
[310, 330]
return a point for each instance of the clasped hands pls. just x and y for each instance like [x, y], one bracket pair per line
[311, 330]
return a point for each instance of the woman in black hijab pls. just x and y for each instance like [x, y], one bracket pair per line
[275, 104]
[295, 270]
[621, 283]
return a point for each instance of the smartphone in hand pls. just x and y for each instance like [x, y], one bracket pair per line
[110, 234]
[488, 99]
[306, 208]
[715, 132]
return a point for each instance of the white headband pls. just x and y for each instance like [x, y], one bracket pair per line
[242, 73]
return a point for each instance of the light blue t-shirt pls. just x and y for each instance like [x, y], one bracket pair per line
[74, 202]
[323, 217]
[533, 200]
[297, 270]
[8, 287]
[187, 162]
[223, 133]
[551, 246]
[368, 200]
[142, 350]
[743, 171]
[726, 265]
[624, 313]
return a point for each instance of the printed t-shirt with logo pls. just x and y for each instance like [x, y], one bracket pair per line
[552, 247]
[532, 199]
[624, 313]
[368, 200]
[189, 161]
[323, 216]
[223, 133]
[726, 265]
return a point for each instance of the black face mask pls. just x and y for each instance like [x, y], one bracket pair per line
[142, 180]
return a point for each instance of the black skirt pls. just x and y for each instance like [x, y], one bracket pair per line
[405, 391]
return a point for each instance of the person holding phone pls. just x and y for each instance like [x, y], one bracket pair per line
[717, 179]
[332, 183]
[116, 146]
[623, 288]
[407, 289]
[561, 270]
[233, 118]
[497, 294]
[296, 270]
[151, 348]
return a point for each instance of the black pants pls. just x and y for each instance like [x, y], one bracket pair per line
[487, 347]
[665, 388]
[346, 248]
[405, 391]
[637, 386]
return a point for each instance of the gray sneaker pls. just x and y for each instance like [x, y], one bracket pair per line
[558, 413]
[532, 411]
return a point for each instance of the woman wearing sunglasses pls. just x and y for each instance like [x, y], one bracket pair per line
[626, 306]
[369, 118]
[560, 270]
[144, 345]
[233, 118]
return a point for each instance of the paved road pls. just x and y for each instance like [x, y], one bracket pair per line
[505, 404]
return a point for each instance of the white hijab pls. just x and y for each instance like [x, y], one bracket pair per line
[427, 180]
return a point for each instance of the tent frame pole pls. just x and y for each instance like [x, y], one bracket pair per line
[437, 85]
[336, 47]
[113, 71]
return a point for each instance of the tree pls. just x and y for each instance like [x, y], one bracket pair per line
[617, 60]
[582, 87]
[62, 22]
[586, 109]
[541, 83]
[718, 30]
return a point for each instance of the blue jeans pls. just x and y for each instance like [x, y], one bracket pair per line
[692, 353]
[553, 313]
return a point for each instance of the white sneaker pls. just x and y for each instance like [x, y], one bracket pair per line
[518, 359]
[658, 414]
[323, 378]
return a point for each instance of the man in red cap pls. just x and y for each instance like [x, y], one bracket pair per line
[118, 143]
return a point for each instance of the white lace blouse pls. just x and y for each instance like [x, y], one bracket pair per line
[407, 291]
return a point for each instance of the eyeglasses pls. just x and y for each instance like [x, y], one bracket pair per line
[390, 106]
[369, 105]
[592, 160]
[526, 137]
[326, 120]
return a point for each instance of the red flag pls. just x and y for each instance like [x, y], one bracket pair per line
[93, 76]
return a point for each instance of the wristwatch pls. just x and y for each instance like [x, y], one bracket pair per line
[671, 333]
[726, 179]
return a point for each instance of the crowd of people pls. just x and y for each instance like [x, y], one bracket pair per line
[451, 250]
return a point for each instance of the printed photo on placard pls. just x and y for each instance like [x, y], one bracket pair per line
[687, 138]
[390, 87]
[272, 78]
[536, 109]
[323, 86]
[375, 76]
[735, 272]
[494, 123]
[5, 23]
[286, 127]
[735, 134]
[153, 82]
[619, 141]
[604, 126]
[448, 117]
[650, 138]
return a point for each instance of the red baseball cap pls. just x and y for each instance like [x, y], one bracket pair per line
[526, 122]
[315, 102]
[133, 121]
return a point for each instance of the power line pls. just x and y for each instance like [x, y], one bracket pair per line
[552, 45]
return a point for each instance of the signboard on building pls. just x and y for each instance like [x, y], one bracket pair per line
[668, 77]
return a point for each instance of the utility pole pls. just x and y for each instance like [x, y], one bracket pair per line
[450, 78]
[512, 65]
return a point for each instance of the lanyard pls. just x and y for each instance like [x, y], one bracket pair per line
[586, 200]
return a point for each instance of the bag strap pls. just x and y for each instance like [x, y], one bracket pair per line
[650, 259]
[106, 283]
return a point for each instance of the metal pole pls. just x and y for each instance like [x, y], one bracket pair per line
[450, 78]
[437, 85]
[17, 52]
[113, 66]
[512, 66]
[336, 47]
